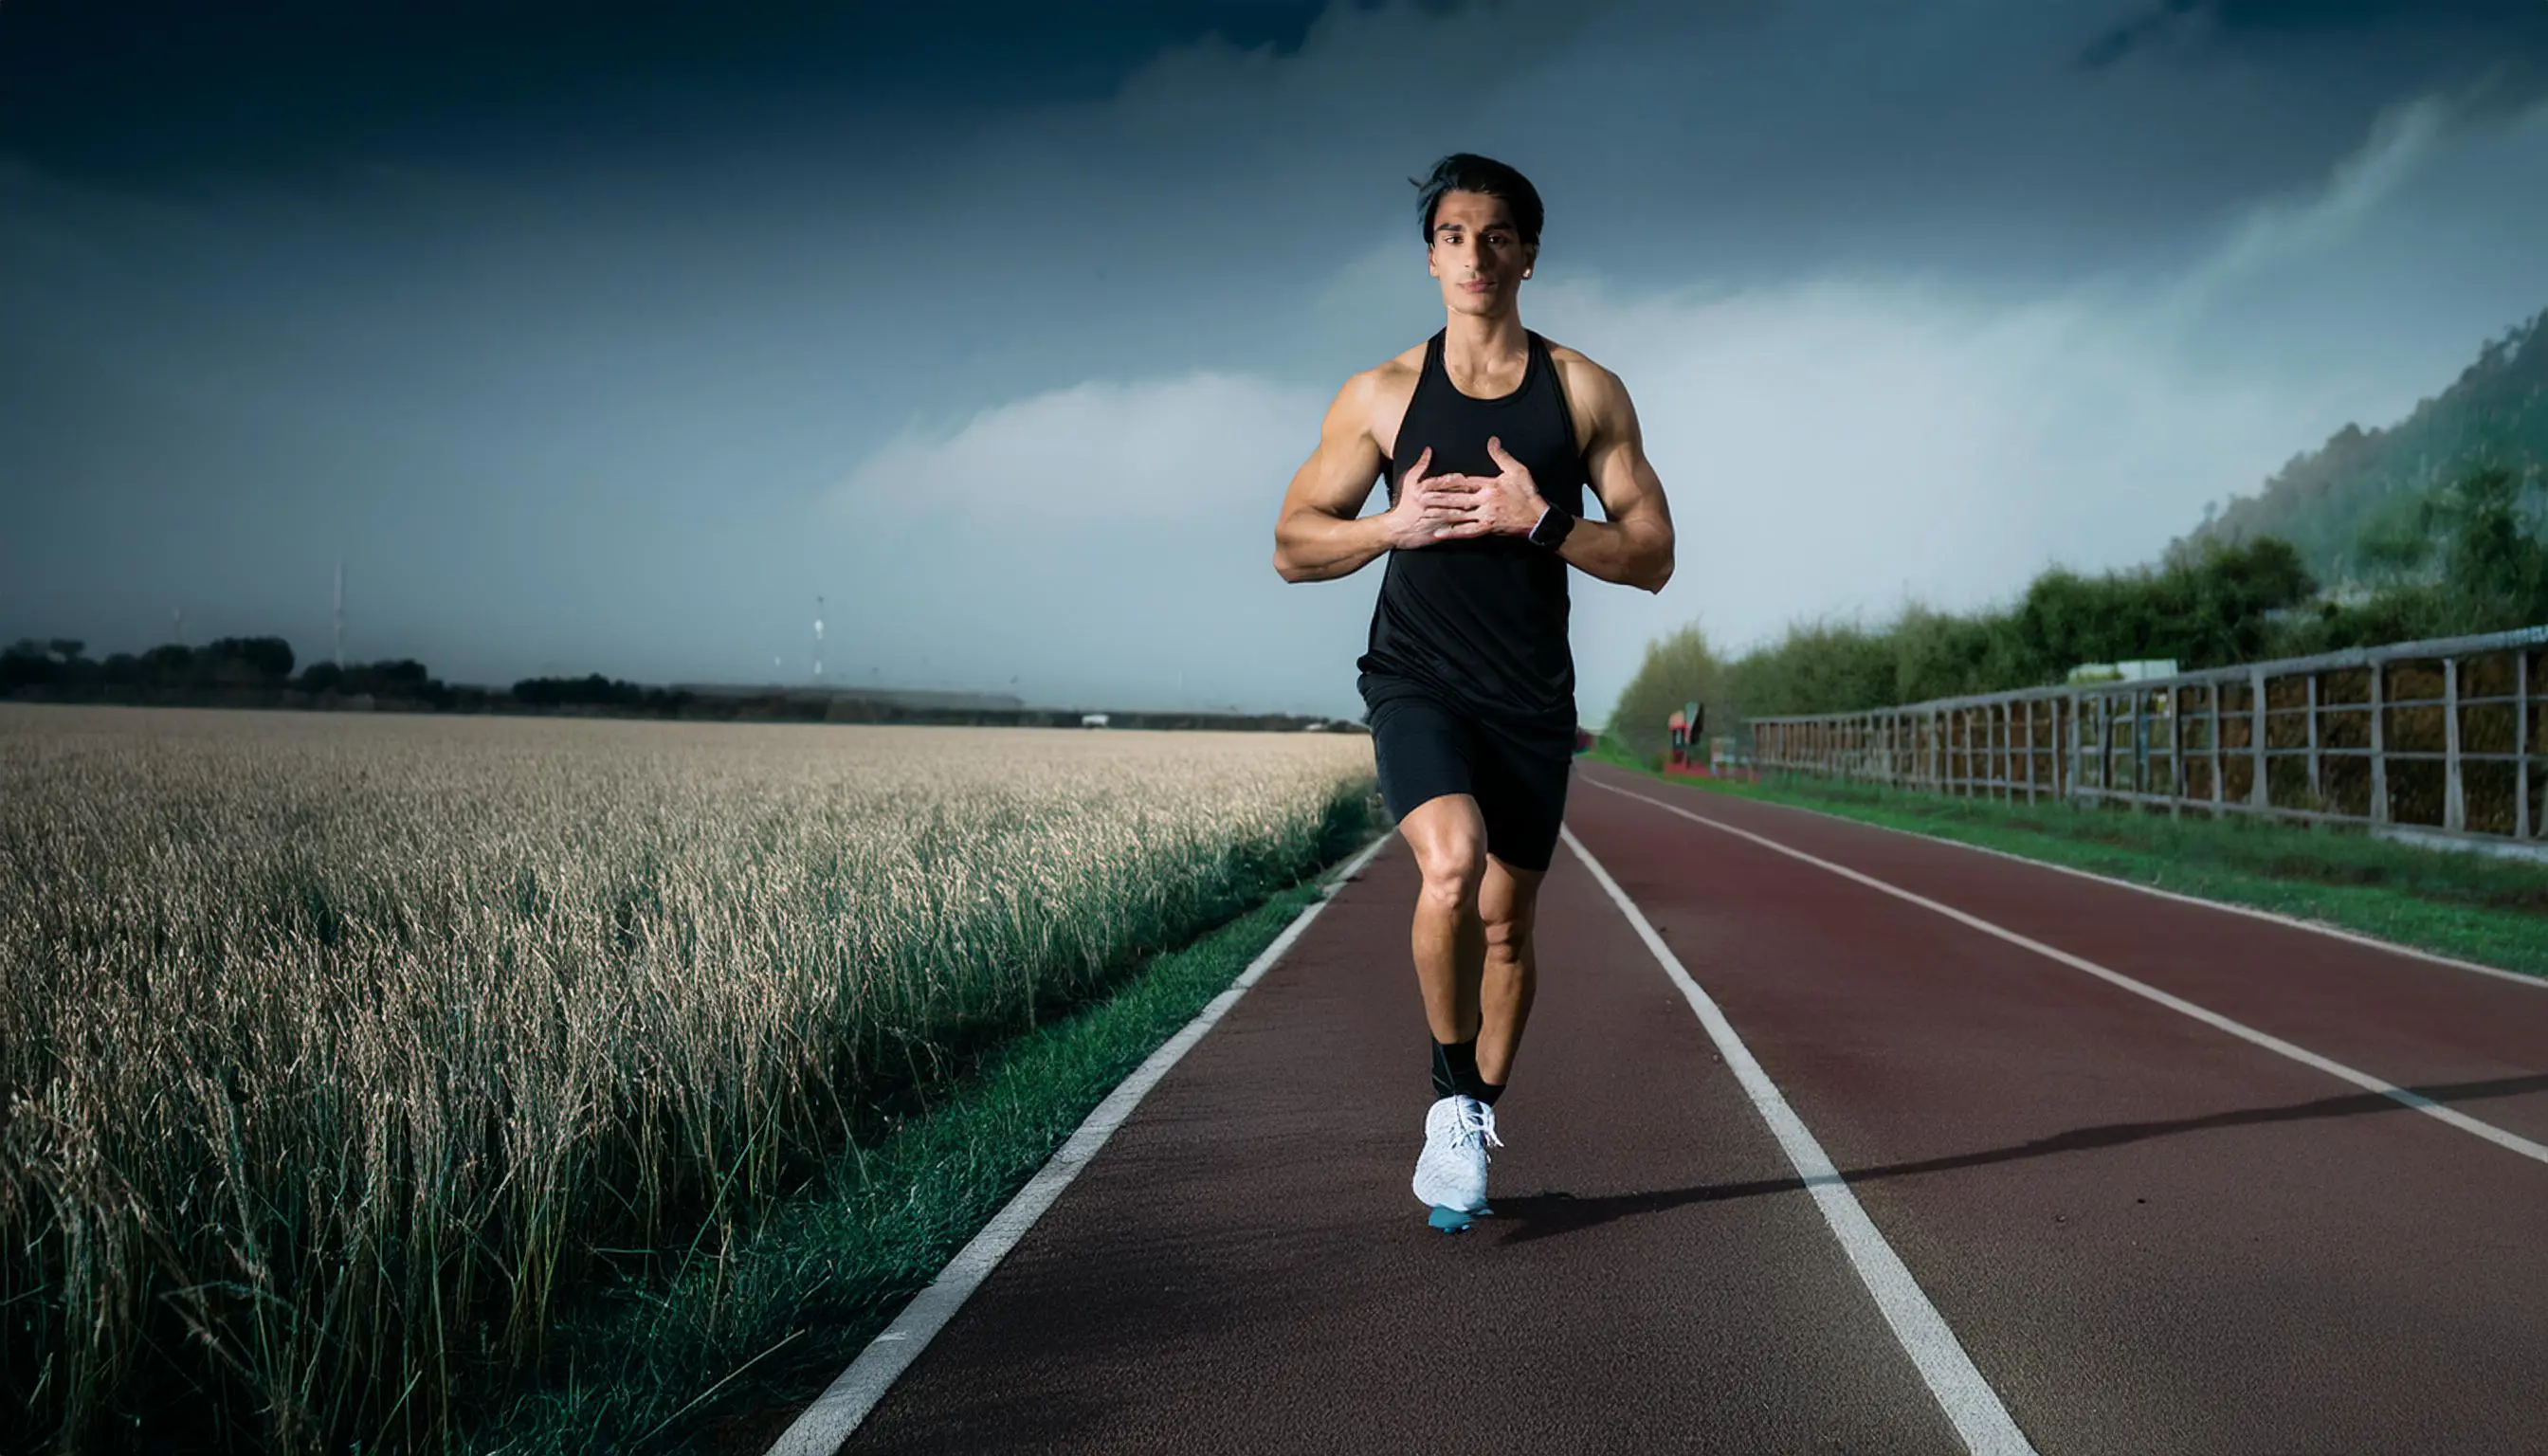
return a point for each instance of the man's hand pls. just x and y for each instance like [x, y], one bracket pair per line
[1507, 504]
[1427, 508]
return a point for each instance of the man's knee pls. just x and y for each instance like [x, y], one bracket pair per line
[1454, 866]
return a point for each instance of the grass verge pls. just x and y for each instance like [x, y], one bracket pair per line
[718, 1357]
[2475, 907]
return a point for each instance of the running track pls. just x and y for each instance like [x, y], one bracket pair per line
[2113, 1223]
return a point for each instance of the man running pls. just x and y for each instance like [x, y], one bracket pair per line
[1486, 434]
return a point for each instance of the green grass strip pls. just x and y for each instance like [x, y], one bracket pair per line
[2475, 907]
[771, 1321]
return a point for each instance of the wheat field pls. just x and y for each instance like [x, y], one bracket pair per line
[334, 1049]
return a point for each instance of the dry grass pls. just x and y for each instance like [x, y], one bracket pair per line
[334, 1049]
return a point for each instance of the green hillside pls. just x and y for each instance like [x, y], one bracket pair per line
[2364, 485]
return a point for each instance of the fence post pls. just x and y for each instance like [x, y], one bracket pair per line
[2175, 752]
[2318, 785]
[2256, 794]
[2379, 741]
[2001, 731]
[2454, 807]
[2212, 732]
[2078, 737]
[2521, 743]
[2008, 750]
[2065, 724]
[2030, 750]
[2141, 741]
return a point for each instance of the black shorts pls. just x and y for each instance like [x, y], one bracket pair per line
[1426, 748]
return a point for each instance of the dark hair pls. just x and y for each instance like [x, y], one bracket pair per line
[1466, 171]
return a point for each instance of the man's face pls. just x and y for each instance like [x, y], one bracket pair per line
[1477, 253]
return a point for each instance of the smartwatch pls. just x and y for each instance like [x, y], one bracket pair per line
[1552, 526]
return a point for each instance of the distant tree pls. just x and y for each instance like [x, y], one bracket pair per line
[252, 659]
[26, 664]
[169, 664]
[67, 649]
[2493, 571]
[1678, 667]
[590, 690]
[1818, 666]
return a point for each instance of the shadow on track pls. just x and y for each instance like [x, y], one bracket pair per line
[1545, 1215]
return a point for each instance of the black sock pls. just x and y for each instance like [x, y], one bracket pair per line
[1488, 1092]
[1455, 1069]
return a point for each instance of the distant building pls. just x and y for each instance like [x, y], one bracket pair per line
[1092, 720]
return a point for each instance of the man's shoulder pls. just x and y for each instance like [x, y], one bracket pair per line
[1383, 390]
[1396, 374]
[1583, 377]
[1593, 393]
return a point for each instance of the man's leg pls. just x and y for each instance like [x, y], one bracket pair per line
[1449, 837]
[1507, 905]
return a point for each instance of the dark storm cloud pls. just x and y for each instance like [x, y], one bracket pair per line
[2447, 34]
[161, 90]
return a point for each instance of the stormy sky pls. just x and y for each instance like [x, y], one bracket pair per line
[607, 338]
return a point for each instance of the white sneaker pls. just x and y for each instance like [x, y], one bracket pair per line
[1451, 1173]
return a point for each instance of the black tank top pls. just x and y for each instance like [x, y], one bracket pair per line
[1481, 622]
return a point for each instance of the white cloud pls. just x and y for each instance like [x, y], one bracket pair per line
[1111, 543]
[1144, 451]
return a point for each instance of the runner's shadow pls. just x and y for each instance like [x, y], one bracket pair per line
[1546, 1215]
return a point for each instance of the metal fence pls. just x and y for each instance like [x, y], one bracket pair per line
[2442, 736]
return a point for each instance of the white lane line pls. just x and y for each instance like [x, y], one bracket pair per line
[2301, 1054]
[1969, 1403]
[837, 1413]
[2536, 982]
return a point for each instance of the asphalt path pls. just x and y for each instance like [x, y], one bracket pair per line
[2159, 1177]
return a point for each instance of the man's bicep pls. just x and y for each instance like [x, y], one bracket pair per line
[1338, 476]
[1622, 479]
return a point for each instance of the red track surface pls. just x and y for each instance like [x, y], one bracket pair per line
[2149, 1234]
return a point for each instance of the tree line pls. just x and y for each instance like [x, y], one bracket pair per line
[259, 672]
[2470, 556]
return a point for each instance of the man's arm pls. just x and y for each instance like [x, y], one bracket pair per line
[1634, 545]
[1322, 532]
